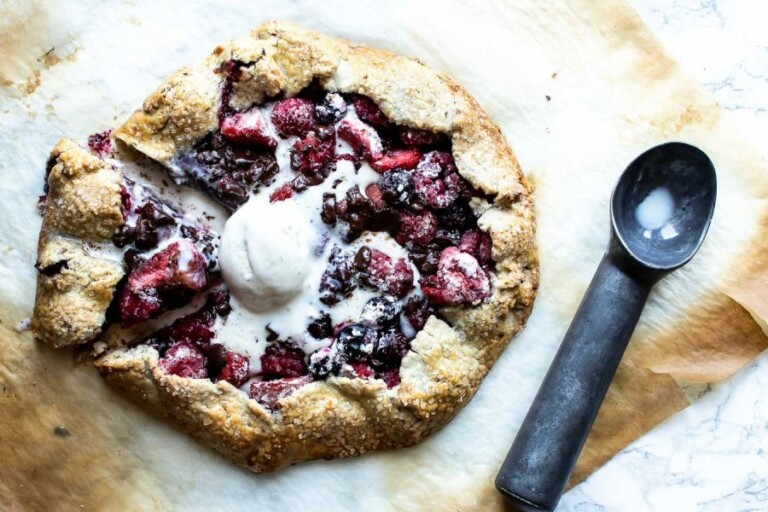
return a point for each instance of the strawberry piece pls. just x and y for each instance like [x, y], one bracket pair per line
[416, 137]
[281, 193]
[282, 359]
[369, 112]
[163, 281]
[248, 127]
[294, 116]
[362, 137]
[235, 370]
[397, 159]
[459, 280]
[185, 360]
[416, 227]
[269, 392]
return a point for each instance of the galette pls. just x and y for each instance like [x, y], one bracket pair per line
[377, 256]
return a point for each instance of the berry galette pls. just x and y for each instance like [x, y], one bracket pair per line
[377, 257]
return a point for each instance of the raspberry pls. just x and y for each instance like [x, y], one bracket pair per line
[369, 112]
[185, 360]
[443, 160]
[311, 154]
[164, 281]
[417, 310]
[269, 393]
[248, 127]
[459, 280]
[331, 109]
[478, 244]
[416, 227]
[378, 271]
[416, 137]
[235, 370]
[281, 193]
[294, 116]
[397, 159]
[361, 137]
[283, 359]
[436, 181]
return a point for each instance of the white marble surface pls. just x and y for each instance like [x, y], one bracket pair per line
[713, 456]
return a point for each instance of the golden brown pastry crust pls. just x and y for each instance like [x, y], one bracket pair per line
[83, 209]
[341, 417]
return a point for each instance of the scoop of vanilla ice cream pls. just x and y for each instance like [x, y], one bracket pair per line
[266, 252]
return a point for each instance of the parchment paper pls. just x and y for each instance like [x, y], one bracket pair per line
[579, 89]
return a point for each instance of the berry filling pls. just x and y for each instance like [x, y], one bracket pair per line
[168, 258]
[229, 172]
[187, 347]
[396, 239]
[166, 280]
[248, 128]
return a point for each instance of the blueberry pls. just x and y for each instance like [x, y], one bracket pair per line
[355, 342]
[380, 311]
[331, 109]
[396, 186]
[323, 363]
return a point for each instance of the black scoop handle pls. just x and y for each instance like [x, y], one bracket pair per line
[550, 439]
